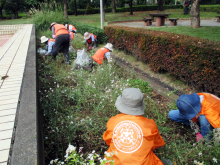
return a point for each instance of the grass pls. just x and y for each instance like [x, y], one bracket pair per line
[210, 33]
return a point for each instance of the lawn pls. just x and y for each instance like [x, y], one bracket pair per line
[211, 33]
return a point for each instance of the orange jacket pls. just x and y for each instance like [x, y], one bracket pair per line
[134, 138]
[90, 40]
[60, 29]
[99, 55]
[51, 40]
[71, 36]
[210, 107]
[73, 27]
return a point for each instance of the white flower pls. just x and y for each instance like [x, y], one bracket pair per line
[62, 162]
[93, 151]
[55, 160]
[51, 162]
[215, 160]
[108, 154]
[70, 149]
[200, 153]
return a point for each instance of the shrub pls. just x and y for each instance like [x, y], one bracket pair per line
[48, 14]
[82, 28]
[193, 60]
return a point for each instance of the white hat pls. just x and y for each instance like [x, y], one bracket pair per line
[44, 39]
[87, 35]
[54, 23]
[66, 25]
[109, 46]
[131, 102]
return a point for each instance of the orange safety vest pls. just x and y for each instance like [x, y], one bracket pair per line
[210, 107]
[99, 55]
[73, 27]
[71, 35]
[51, 40]
[134, 138]
[60, 29]
[90, 40]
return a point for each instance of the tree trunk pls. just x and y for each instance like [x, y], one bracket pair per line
[75, 9]
[113, 6]
[160, 5]
[194, 13]
[1, 13]
[65, 9]
[131, 9]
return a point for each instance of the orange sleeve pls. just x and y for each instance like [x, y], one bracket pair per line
[158, 140]
[107, 136]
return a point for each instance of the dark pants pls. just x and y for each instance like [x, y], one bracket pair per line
[186, 10]
[61, 40]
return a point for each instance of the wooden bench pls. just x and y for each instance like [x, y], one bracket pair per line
[173, 21]
[147, 21]
[218, 16]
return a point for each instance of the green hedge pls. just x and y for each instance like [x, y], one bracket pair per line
[82, 28]
[193, 60]
[209, 8]
[124, 9]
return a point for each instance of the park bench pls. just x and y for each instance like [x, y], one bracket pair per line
[173, 21]
[147, 21]
[218, 16]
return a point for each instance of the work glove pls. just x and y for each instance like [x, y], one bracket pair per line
[90, 47]
[199, 136]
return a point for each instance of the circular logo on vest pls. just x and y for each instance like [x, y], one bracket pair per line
[127, 136]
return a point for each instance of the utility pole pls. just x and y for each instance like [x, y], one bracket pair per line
[101, 13]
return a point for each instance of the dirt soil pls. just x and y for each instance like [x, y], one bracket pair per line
[161, 88]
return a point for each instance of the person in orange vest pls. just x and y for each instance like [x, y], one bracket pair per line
[201, 108]
[102, 54]
[71, 37]
[130, 136]
[90, 39]
[61, 35]
[70, 28]
[49, 45]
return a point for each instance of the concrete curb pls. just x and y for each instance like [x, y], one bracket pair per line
[27, 148]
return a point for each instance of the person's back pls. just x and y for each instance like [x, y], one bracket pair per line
[131, 136]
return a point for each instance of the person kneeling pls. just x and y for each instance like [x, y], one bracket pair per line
[131, 136]
[201, 108]
[102, 54]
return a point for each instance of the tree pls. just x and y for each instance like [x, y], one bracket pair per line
[13, 6]
[75, 8]
[131, 9]
[65, 9]
[113, 6]
[194, 14]
[2, 3]
[160, 5]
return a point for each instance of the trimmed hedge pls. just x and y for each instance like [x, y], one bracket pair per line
[193, 60]
[209, 8]
[82, 28]
[124, 9]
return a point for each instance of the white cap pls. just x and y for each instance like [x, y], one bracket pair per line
[44, 39]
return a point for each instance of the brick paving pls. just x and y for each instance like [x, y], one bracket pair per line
[4, 39]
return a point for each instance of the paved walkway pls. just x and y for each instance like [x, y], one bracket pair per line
[212, 22]
[13, 53]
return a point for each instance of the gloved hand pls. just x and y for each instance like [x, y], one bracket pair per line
[199, 137]
[87, 44]
[90, 47]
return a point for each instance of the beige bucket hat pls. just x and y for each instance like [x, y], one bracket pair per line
[109, 46]
[44, 39]
[131, 102]
[87, 35]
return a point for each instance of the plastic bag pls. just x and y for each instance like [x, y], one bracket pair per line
[41, 51]
[82, 59]
[71, 49]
